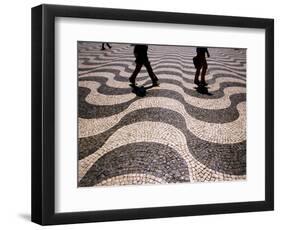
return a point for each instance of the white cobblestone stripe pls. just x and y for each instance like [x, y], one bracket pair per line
[111, 82]
[96, 98]
[225, 133]
[127, 67]
[95, 55]
[158, 64]
[87, 61]
[157, 132]
[132, 179]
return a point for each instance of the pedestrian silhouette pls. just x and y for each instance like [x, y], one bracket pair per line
[200, 62]
[140, 52]
[102, 46]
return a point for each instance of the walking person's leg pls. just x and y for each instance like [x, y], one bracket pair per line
[197, 65]
[204, 69]
[132, 79]
[153, 77]
[196, 78]
[102, 46]
[109, 46]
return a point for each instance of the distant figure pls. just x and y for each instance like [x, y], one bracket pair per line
[200, 62]
[140, 52]
[102, 46]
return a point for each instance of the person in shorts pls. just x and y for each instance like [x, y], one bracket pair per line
[200, 62]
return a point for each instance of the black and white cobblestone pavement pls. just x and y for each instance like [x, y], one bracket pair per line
[174, 134]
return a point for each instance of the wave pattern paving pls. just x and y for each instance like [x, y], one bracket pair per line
[175, 133]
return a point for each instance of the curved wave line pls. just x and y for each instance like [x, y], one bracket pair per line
[124, 73]
[111, 82]
[94, 61]
[96, 98]
[225, 133]
[132, 179]
[172, 50]
[184, 65]
[101, 55]
[157, 132]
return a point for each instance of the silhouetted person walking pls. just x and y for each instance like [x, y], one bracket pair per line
[200, 62]
[140, 52]
[102, 46]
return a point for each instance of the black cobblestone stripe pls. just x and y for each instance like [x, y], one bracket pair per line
[129, 69]
[107, 90]
[88, 111]
[161, 62]
[225, 158]
[142, 157]
[153, 53]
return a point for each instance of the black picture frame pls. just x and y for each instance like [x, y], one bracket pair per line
[43, 114]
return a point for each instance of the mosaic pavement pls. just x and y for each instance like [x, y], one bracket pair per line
[175, 133]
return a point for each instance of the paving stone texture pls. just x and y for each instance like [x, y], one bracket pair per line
[176, 133]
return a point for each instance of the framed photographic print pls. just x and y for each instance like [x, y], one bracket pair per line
[143, 114]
